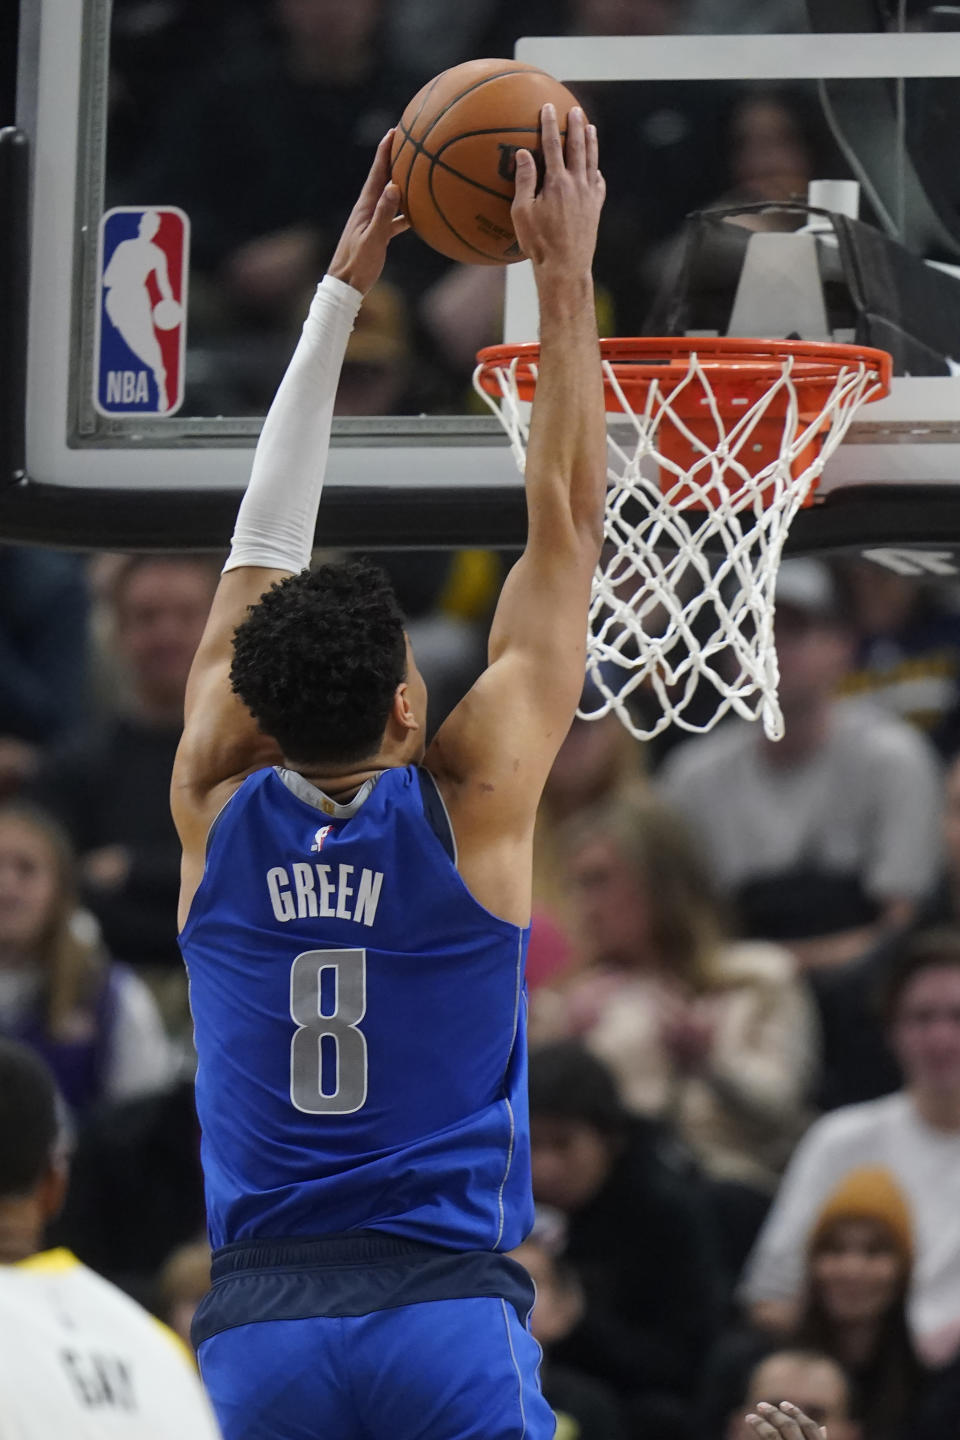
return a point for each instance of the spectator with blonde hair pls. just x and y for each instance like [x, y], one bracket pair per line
[598, 761]
[110, 786]
[94, 1022]
[717, 1036]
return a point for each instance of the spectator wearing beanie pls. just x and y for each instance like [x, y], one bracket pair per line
[859, 1262]
[856, 1273]
[913, 1133]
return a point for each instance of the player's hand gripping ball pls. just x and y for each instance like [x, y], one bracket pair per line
[454, 154]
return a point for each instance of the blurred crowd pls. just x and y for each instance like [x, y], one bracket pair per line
[744, 964]
[258, 118]
[744, 991]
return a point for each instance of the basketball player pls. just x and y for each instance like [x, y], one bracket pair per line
[78, 1358]
[355, 912]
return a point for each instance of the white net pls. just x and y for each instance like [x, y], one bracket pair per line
[681, 612]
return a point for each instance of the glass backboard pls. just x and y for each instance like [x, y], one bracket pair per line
[686, 122]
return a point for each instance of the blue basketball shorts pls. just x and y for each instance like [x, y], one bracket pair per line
[410, 1343]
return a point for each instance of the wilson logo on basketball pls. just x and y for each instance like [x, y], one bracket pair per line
[507, 169]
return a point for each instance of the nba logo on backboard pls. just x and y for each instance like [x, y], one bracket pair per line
[141, 310]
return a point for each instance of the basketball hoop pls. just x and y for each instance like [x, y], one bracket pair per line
[714, 446]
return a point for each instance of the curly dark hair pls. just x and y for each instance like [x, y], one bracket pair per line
[318, 660]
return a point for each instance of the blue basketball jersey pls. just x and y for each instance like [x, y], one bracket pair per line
[360, 1024]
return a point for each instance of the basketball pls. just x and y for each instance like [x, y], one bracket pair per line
[454, 154]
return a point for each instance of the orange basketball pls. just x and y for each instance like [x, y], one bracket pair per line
[454, 154]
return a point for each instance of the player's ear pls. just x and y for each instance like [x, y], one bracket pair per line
[402, 711]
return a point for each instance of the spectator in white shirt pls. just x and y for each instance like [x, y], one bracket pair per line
[914, 1134]
[827, 839]
[78, 1357]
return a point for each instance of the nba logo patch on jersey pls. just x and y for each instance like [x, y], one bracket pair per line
[141, 310]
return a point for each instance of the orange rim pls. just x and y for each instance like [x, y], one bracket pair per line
[746, 364]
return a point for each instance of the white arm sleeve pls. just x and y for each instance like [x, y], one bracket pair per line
[278, 513]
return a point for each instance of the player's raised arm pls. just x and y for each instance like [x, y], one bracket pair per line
[493, 754]
[275, 525]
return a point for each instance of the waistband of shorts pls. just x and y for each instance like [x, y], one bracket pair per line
[339, 1276]
[360, 1247]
